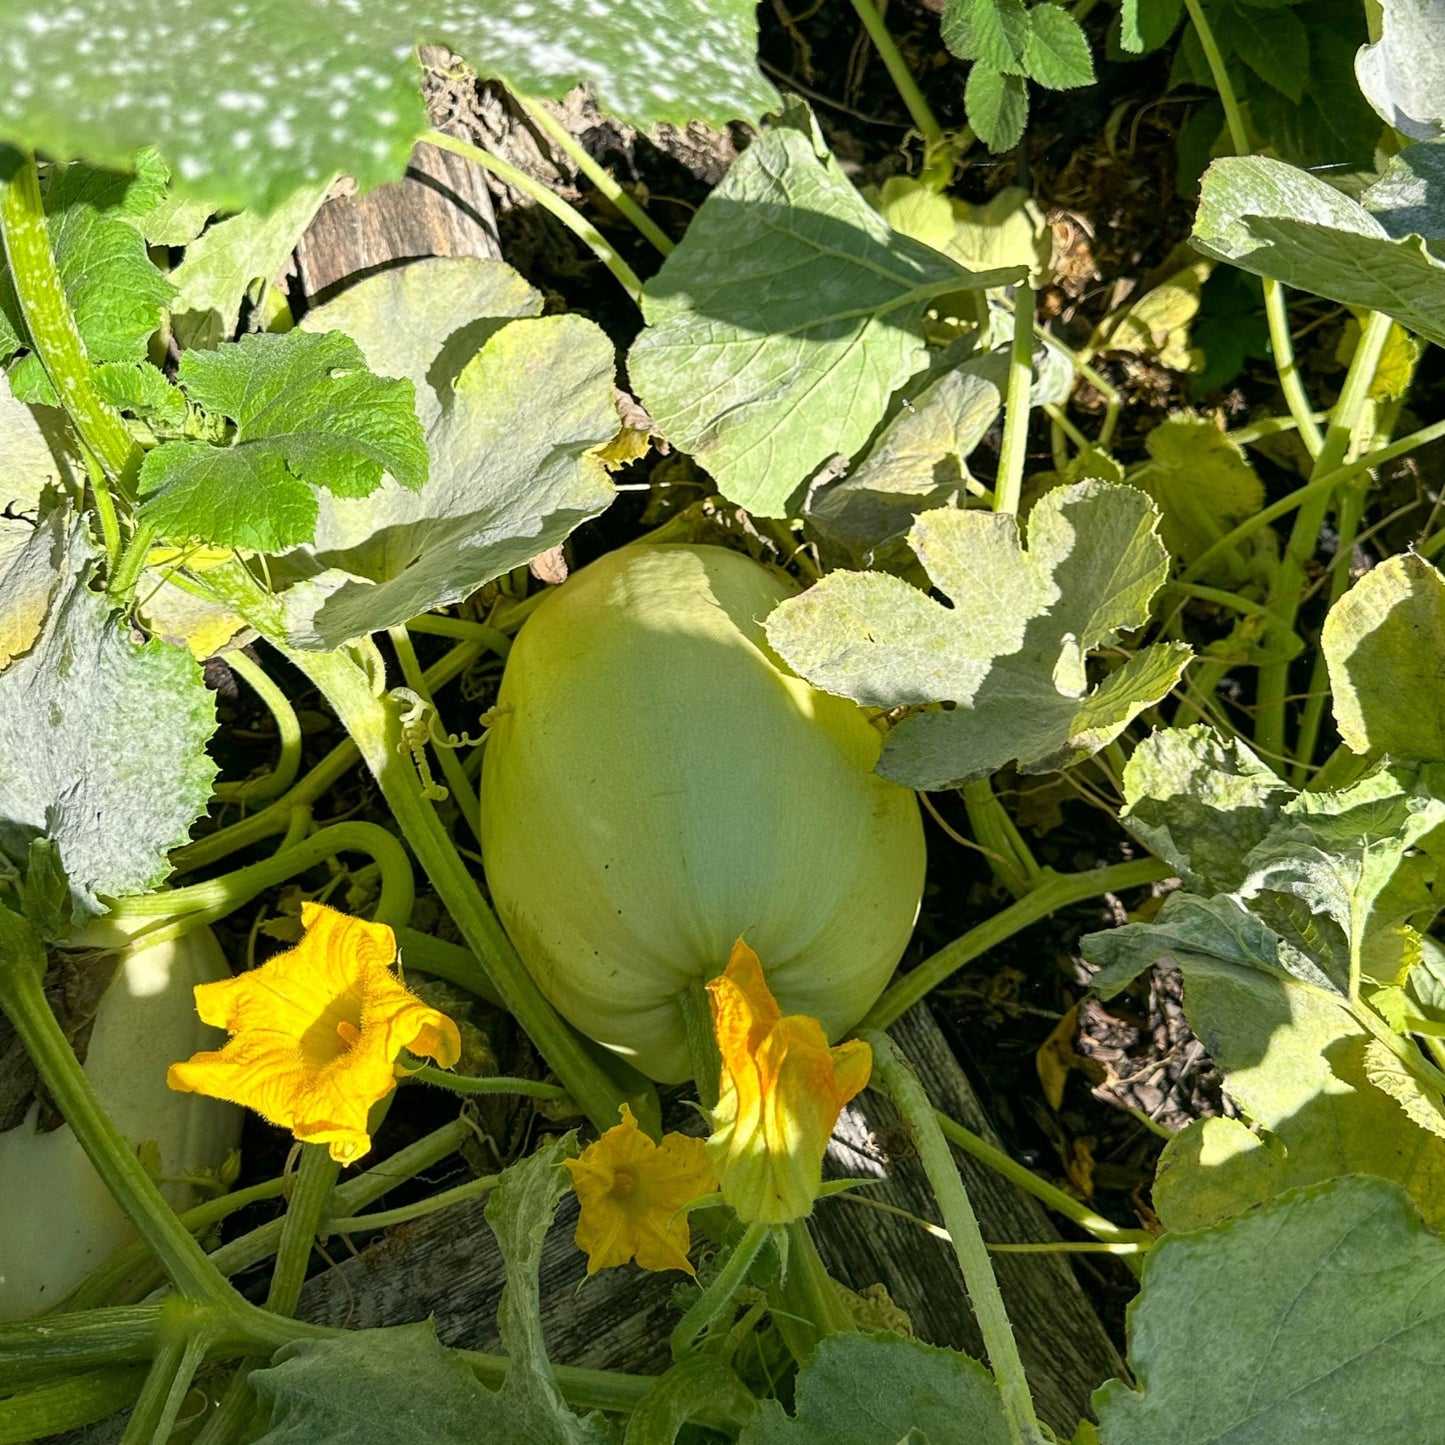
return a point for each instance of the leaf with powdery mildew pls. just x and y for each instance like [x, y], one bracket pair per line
[782, 324]
[102, 745]
[249, 99]
[1277, 221]
[307, 414]
[1318, 1317]
[515, 408]
[1383, 641]
[1010, 653]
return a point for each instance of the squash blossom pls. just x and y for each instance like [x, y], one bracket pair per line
[316, 1033]
[631, 1191]
[780, 1095]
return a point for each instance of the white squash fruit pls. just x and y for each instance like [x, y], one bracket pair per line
[657, 785]
[58, 1221]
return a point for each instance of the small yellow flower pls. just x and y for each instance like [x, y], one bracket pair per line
[631, 1190]
[316, 1032]
[781, 1091]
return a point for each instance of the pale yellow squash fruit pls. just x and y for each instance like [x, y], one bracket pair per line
[58, 1221]
[657, 785]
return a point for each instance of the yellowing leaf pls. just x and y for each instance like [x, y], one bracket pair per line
[1156, 324]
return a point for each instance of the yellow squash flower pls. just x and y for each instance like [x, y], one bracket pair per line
[630, 1191]
[781, 1091]
[316, 1033]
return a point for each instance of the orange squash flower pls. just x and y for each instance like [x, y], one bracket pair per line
[316, 1033]
[781, 1091]
[631, 1191]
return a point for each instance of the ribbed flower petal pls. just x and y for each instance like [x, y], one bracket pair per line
[780, 1094]
[316, 1033]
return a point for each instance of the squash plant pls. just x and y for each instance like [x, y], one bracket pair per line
[332, 487]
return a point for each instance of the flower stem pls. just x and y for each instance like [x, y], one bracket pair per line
[405, 1213]
[1013, 449]
[51, 329]
[719, 1294]
[73, 1402]
[895, 1075]
[305, 1209]
[288, 731]
[181, 1354]
[22, 998]
[1054, 891]
[494, 1084]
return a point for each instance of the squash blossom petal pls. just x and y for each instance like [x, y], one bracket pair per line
[630, 1191]
[316, 1033]
[781, 1092]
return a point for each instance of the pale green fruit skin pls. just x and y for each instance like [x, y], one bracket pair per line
[656, 786]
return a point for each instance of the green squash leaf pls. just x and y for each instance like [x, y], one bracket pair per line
[236, 254]
[515, 407]
[102, 745]
[1403, 73]
[1409, 197]
[1320, 1317]
[114, 291]
[250, 99]
[142, 390]
[1382, 641]
[1277, 221]
[1009, 654]
[783, 322]
[867, 1389]
[1057, 55]
[997, 106]
[307, 413]
[367, 1386]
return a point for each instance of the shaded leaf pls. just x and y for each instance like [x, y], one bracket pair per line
[882, 1389]
[515, 408]
[1202, 483]
[1322, 1316]
[783, 322]
[30, 571]
[1010, 652]
[114, 291]
[1272, 219]
[1157, 323]
[997, 106]
[1408, 199]
[1148, 24]
[1057, 55]
[1007, 230]
[102, 745]
[301, 92]
[221, 266]
[1382, 641]
[307, 413]
[1273, 43]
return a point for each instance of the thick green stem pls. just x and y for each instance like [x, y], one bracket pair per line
[155, 917]
[496, 1084]
[937, 162]
[894, 1074]
[1010, 857]
[22, 998]
[288, 731]
[719, 1294]
[1013, 450]
[598, 175]
[1054, 891]
[1289, 577]
[463, 629]
[580, 227]
[702, 1049]
[79, 1400]
[810, 1292]
[405, 1213]
[164, 1391]
[51, 329]
[306, 1208]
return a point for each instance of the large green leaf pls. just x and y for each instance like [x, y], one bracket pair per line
[1317, 1318]
[307, 415]
[102, 744]
[1408, 199]
[114, 291]
[249, 99]
[372, 1386]
[780, 327]
[514, 407]
[1383, 641]
[1010, 653]
[882, 1390]
[1278, 221]
[1403, 73]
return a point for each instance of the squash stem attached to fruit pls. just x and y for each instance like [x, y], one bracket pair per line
[894, 1074]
